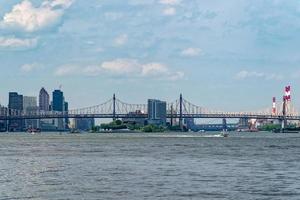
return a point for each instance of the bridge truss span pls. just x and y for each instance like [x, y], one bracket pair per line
[115, 108]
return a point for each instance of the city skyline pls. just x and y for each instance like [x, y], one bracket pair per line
[241, 52]
[40, 102]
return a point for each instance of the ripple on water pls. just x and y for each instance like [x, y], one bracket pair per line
[150, 167]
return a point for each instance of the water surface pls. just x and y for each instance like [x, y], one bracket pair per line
[156, 166]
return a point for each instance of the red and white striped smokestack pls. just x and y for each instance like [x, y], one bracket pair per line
[288, 93]
[274, 106]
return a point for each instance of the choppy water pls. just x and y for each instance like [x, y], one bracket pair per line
[156, 166]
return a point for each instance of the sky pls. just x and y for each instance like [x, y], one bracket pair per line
[232, 55]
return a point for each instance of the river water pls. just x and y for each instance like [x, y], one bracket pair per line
[156, 166]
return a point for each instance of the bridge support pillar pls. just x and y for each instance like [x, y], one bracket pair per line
[114, 107]
[224, 124]
[7, 121]
[180, 112]
[171, 122]
[284, 120]
[283, 124]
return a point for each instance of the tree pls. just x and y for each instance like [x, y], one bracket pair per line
[118, 122]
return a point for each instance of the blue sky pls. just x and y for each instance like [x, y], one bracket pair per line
[228, 55]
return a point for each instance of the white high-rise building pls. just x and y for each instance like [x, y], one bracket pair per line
[29, 102]
[30, 106]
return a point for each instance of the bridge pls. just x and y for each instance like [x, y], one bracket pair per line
[178, 109]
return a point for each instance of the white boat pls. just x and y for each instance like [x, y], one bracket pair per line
[33, 131]
[224, 133]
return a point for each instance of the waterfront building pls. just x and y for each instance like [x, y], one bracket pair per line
[15, 105]
[44, 100]
[3, 123]
[58, 105]
[47, 125]
[30, 106]
[189, 123]
[173, 121]
[84, 124]
[2, 126]
[243, 124]
[215, 127]
[157, 112]
[133, 119]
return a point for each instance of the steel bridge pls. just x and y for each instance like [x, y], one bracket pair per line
[115, 108]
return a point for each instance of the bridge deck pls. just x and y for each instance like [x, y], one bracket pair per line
[107, 116]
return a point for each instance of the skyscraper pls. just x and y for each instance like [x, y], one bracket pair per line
[29, 102]
[58, 104]
[66, 109]
[157, 112]
[30, 106]
[15, 105]
[44, 100]
[44, 106]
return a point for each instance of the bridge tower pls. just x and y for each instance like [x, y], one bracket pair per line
[114, 107]
[180, 112]
[284, 112]
[171, 122]
[288, 99]
[224, 124]
[286, 108]
[274, 111]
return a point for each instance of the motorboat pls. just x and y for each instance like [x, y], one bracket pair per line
[224, 133]
[74, 131]
[33, 131]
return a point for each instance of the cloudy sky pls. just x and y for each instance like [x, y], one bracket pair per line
[229, 55]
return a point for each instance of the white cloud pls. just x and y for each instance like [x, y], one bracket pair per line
[121, 40]
[246, 74]
[26, 17]
[253, 74]
[191, 52]
[176, 76]
[92, 70]
[71, 70]
[121, 66]
[154, 69]
[67, 70]
[133, 68]
[139, 2]
[169, 2]
[169, 11]
[128, 68]
[12, 43]
[58, 3]
[30, 67]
